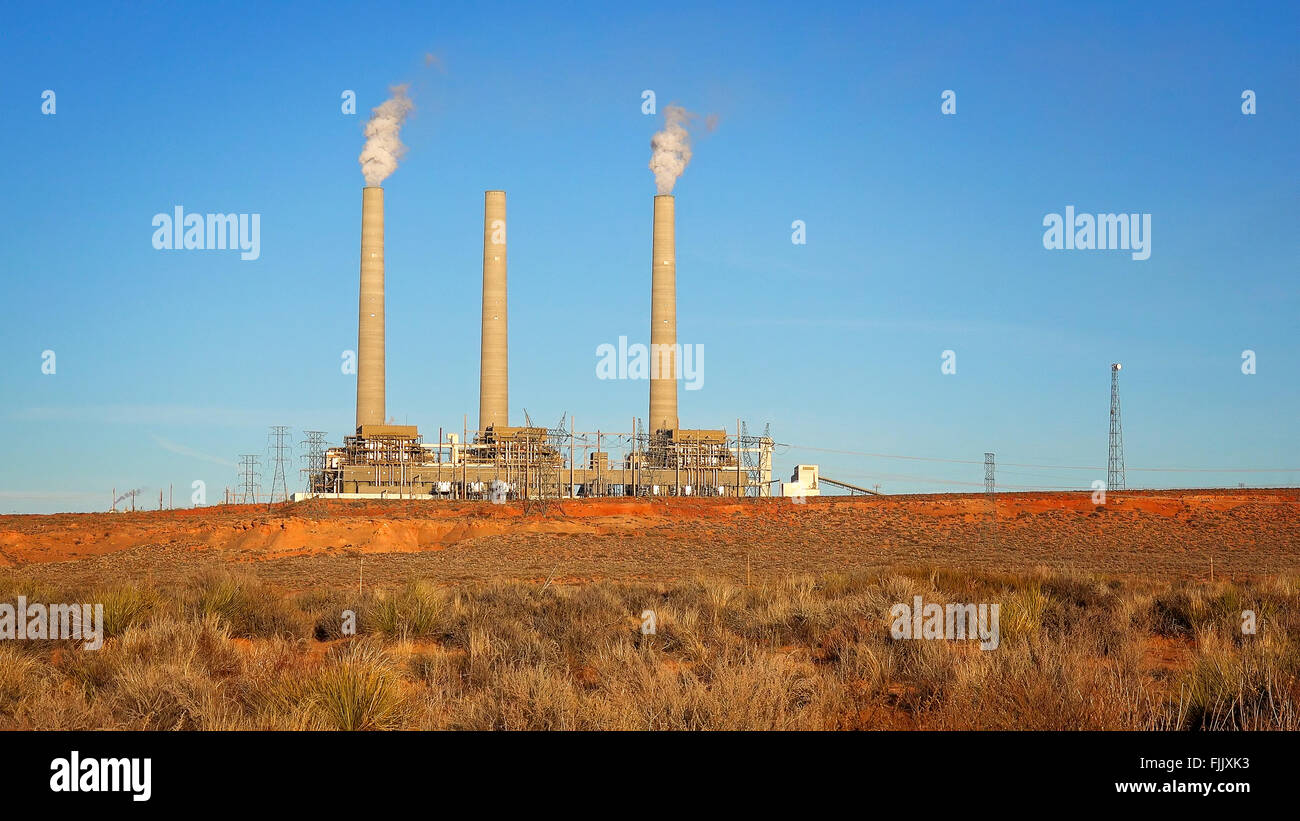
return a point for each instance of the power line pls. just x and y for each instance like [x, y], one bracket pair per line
[909, 477]
[906, 477]
[1096, 468]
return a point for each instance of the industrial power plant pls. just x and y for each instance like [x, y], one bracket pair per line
[498, 460]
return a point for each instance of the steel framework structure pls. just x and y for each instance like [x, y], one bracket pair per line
[1115, 463]
[280, 452]
[249, 479]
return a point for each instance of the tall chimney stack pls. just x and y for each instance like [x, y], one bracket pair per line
[370, 323]
[663, 318]
[494, 390]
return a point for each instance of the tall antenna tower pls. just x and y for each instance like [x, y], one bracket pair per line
[314, 456]
[249, 479]
[280, 453]
[989, 486]
[1115, 465]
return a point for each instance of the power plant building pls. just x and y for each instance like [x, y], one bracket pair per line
[500, 461]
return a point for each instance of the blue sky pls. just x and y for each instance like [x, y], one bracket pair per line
[924, 231]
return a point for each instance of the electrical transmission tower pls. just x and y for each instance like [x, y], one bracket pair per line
[314, 456]
[989, 486]
[1115, 465]
[280, 451]
[249, 479]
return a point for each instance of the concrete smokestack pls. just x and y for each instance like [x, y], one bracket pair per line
[494, 384]
[663, 318]
[370, 322]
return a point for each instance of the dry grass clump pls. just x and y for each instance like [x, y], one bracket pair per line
[249, 607]
[227, 651]
[19, 676]
[359, 688]
[1255, 686]
[126, 606]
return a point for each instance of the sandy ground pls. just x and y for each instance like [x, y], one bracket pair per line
[1168, 534]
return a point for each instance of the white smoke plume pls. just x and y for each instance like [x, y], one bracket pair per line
[671, 148]
[383, 147]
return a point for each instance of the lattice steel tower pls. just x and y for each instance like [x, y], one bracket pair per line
[314, 456]
[1115, 465]
[989, 486]
[249, 479]
[280, 452]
